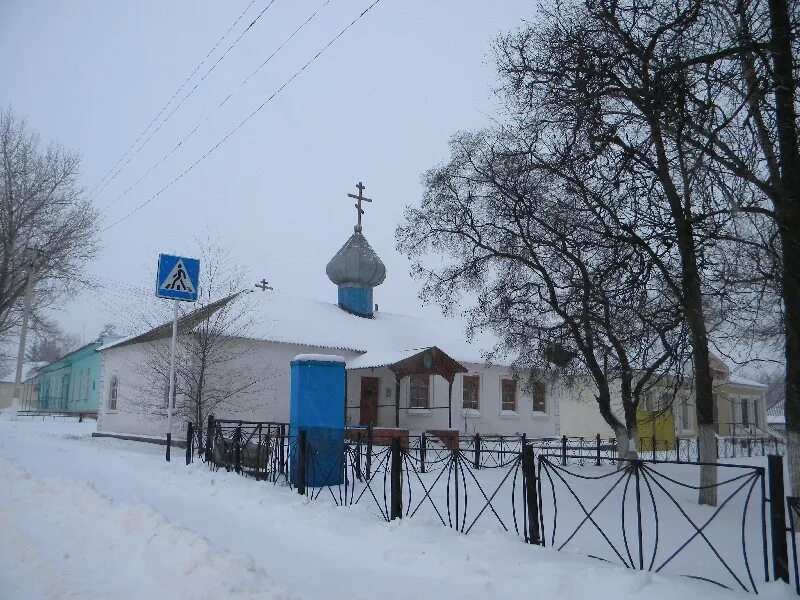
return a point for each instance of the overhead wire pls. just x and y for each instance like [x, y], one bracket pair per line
[245, 120]
[186, 97]
[218, 107]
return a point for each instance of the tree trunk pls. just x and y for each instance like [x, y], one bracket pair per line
[788, 216]
[622, 444]
[692, 304]
[708, 476]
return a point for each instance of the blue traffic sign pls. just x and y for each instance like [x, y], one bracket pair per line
[178, 277]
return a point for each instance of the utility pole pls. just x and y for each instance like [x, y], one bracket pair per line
[24, 332]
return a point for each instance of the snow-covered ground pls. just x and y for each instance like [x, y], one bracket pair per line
[91, 517]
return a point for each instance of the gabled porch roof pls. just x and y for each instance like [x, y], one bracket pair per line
[417, 361]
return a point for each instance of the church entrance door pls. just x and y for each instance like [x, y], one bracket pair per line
[369, 400]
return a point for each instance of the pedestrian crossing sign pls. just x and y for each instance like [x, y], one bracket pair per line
[178, 277]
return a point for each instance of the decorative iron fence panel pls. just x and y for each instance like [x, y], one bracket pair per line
[645, 515]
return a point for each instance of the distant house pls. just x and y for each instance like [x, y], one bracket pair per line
[29, 389]
[739, 409]
[776, 419]
[72, 383]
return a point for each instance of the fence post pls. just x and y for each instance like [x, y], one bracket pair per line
[598, 449]
[793, 507]
[749, 447]
[369, 451]
[301, 462]
[477, 450]
[456, 456]
[397, 480]
[678, 449]
[653, 441]
[282, 450]
[423, 443]
[531, 500]
[563, 450]
[637, 465]
[696, 447]
[169, 443]
[189, 442]
[763, 452]
[237, 449]
[358, 456]
[777, 518]
[210, 439]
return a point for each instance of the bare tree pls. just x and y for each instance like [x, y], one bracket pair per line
[217, 366]
[561, 294]
[42, 206]
[50, 343]
[618, 76]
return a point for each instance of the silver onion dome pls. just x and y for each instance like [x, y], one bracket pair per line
[356, 264]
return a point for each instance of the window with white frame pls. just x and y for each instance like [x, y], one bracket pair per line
[756, 412]
[419, 391]
[508, 395]
[744, 408]
[539, 397]
[113, 393]
[685, 414]
[471, 392]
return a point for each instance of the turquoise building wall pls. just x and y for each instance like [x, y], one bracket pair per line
[72, 383]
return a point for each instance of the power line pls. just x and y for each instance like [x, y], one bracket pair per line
[183, 100]
[247, 118]
[219, 106]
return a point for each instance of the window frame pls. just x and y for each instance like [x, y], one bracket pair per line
[744, 412]
[473, 379]
[686, 415]
[113, 393]
[514, 384]
[416, 404]
[535, 386]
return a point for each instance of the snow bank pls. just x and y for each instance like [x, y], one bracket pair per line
[62, 538]
[101, 518]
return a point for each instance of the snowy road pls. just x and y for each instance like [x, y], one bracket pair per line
[85, 517]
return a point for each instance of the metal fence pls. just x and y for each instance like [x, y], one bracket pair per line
[644, 515]
[572, 494]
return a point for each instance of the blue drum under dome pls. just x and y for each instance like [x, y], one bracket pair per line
[356, 270]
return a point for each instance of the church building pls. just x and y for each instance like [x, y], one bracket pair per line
[402, 371]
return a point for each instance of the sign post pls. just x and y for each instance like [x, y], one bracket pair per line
[178, 279]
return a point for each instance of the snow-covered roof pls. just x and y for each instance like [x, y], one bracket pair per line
[736, 380]
[375, 359]
[29, 370]
[282, 317]
[775, 414]
[386, 338]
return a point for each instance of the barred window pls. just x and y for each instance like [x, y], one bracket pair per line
[539, 400]
[472, 386]
[420, 391]
[113, 393]
[508, 391]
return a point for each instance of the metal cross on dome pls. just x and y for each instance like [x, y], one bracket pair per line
[360, 198]
[263, 285]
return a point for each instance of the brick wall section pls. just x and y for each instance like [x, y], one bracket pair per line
[448, 437]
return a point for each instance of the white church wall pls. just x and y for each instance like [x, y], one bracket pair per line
[266, 402]
[489, 419]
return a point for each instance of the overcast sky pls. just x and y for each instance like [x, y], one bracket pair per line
[378, 106]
